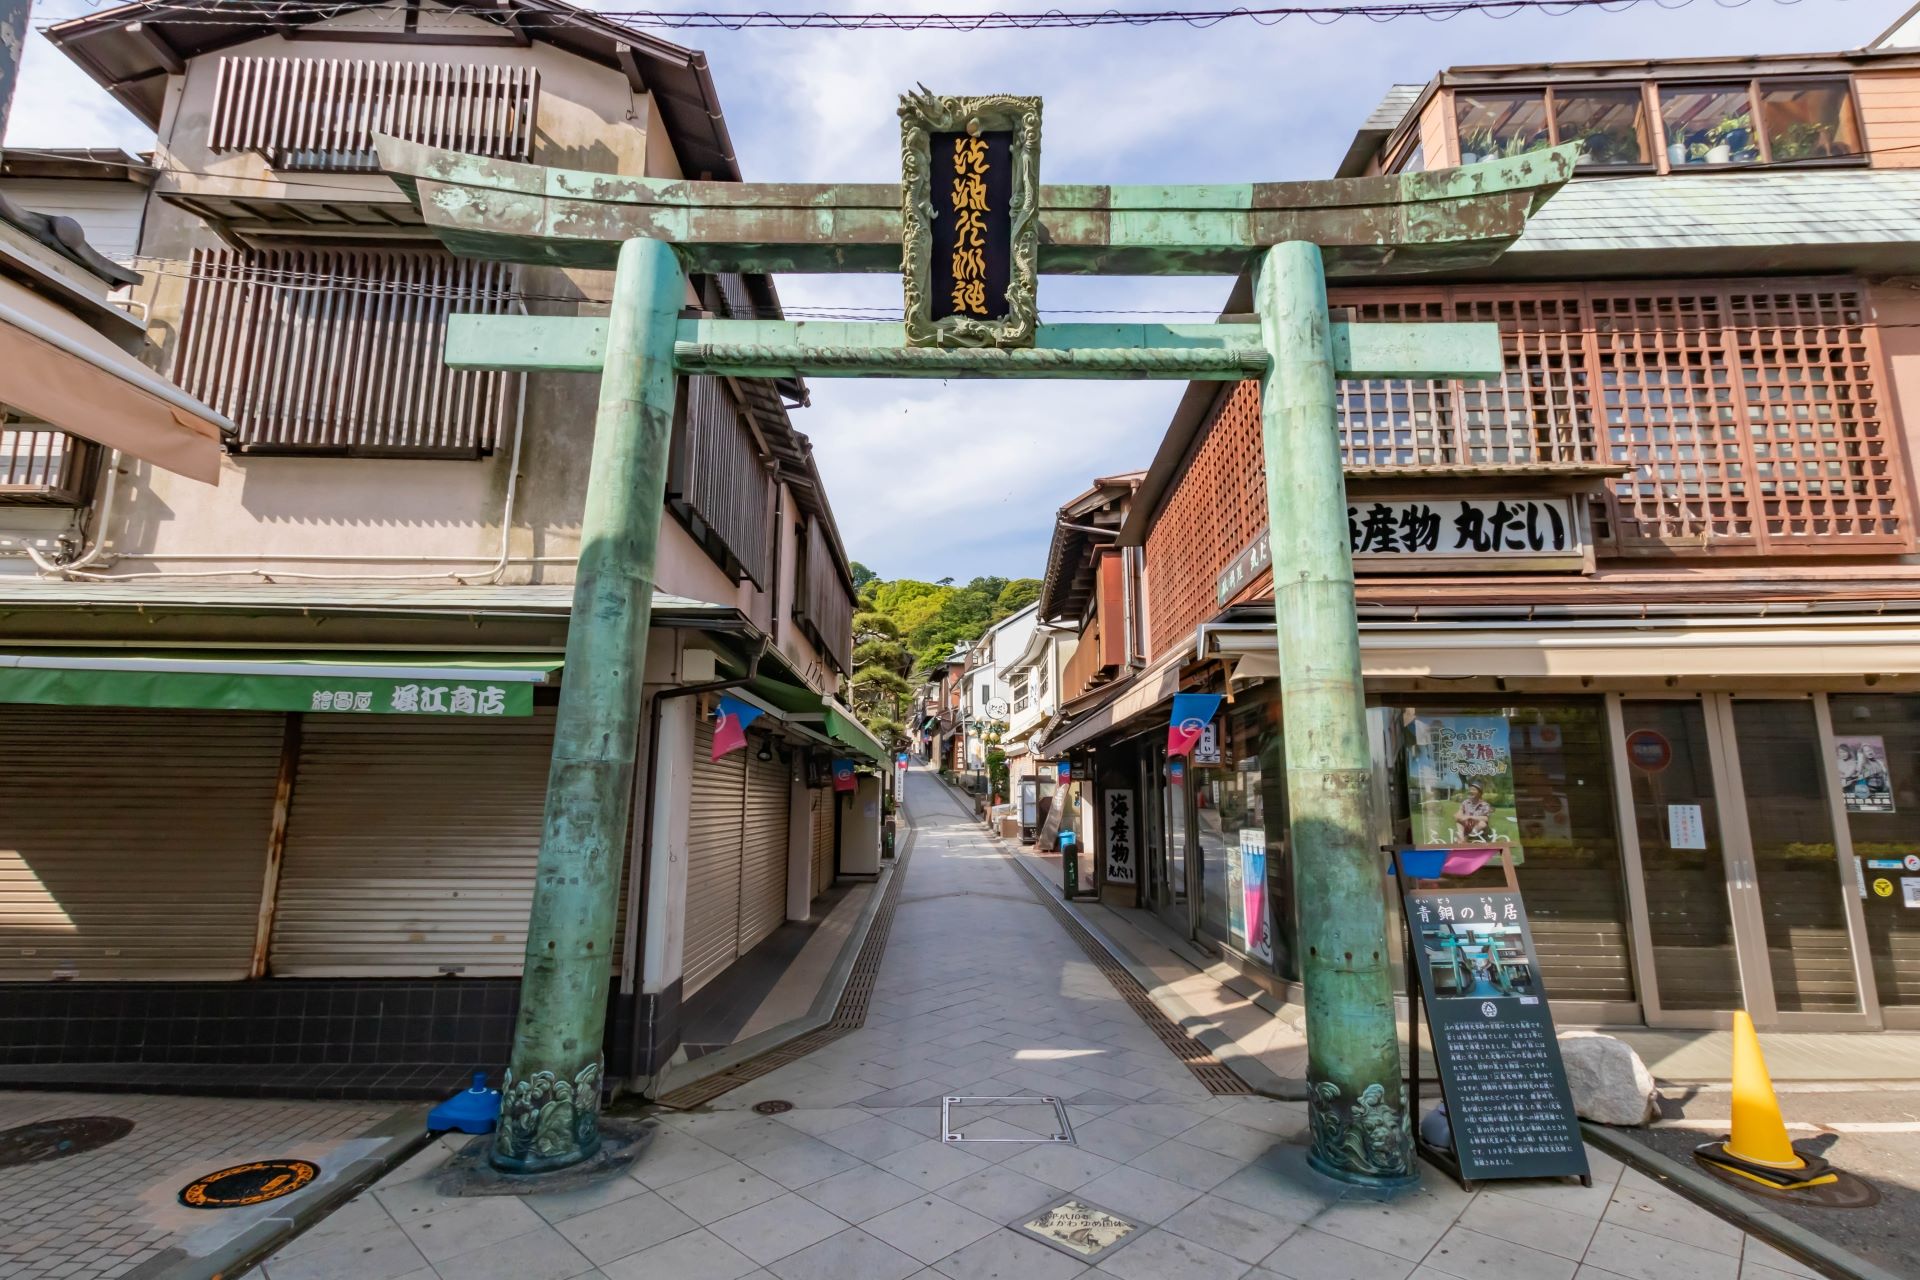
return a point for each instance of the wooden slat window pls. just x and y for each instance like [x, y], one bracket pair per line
[1751, 412]
[826, 599]
[40, 466]
[320, 114]
[716, 482]
[339, 351]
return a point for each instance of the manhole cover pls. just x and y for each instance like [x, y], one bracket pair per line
[51, 1139]
[1075, 1227]
[245, 1184]
[772, 1107]
[987, 1120]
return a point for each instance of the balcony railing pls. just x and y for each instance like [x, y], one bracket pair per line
[716, 482]
[43, 467]
[342, 350]
[320, 114]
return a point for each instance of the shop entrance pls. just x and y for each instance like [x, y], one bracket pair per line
[1174, 866]
[1749, 898]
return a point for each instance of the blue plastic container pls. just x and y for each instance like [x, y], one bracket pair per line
[475, 1110]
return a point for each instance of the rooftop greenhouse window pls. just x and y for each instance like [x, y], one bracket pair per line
[1710, 124]
[1809, 120]
[1608, 124]
[1505, 123]
[1412, 160]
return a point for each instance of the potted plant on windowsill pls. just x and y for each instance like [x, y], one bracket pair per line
[1477, 146]
[1609, 147]
[1732, 136]
[1677, 151]
[1805, 140]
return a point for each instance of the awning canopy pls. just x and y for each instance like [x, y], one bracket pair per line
[817, 710]
[457, 685]
[70, 377]
[845, 728]
[1154, 685]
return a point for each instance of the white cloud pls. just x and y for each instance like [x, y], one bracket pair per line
[57, 104]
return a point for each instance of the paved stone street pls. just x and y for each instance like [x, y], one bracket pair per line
[982, 993]
[104, 1212]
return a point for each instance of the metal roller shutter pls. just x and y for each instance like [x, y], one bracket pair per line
[133, 844]
[822, 841]
[713, 861]
[763, 889]
[411, 846]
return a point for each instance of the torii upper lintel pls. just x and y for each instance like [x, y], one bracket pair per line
[1403, 222]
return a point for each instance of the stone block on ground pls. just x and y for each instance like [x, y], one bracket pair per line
[1610, 1084]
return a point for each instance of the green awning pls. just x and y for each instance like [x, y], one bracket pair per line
[849, 732]
[457, 685]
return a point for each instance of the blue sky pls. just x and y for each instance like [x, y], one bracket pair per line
[930, 479]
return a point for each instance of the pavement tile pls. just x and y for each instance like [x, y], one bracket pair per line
[850, 1255]
[1247, 1234]
[1522, 1221]
[818, 1121]
[617, 1230]
[1761, 1254]
[1313, 1255]
[460, 1226]
[872, 1138]
[801, 1161]
[1169, 1120]
[1161, 1255]
[674, 1156]
[1061, 1166]
[719, 1193]
[1194, 1167]
[536, 1255]
[1001, 1194]
[697, 1255]
[382, 1254]
[1390, 1226]
[560, 1205]
[768, 1232]
[1115, 1139]
[1640, 1255]
[929, 1228]
[932, 1164]
[1135, 1194]
[1470, 1255]
[1641, 1204]
[859, 1194]
[1008, 1255]
[1229, 1139]
[1288, 1191]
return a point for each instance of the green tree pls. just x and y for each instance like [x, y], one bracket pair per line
[1015, 596]
[862, 576]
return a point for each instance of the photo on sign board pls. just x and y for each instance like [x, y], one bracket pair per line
[1472, 961]
[1460, 782]
[1865, 780]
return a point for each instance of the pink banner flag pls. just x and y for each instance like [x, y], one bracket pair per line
[730, 725]
[1464, 862]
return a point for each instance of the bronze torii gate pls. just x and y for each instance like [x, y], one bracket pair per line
[1293, 235]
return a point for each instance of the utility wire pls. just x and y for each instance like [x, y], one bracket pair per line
[904, 21]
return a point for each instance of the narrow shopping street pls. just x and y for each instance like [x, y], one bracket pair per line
[982, 993]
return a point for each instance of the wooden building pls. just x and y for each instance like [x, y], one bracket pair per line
[1668, 557]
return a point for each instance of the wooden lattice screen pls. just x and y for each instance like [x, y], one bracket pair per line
[1751, 412]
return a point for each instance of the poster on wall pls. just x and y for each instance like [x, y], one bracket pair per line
[1460, 782]
[1864, 779]
[1256, 903]
[1119, 834]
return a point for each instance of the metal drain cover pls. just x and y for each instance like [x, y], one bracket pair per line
[773, 1107]
[992, 1128]
[245, 1184]
[52, 1139]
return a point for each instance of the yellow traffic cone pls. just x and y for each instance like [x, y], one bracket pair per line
[1758, 1149]
[1759, 1131]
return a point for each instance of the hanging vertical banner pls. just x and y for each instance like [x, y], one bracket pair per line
[731, 719]
[1460, 781]
[843, 775]
[1257, 904]
[1192, 713]
[1118, 827]
[970, 186]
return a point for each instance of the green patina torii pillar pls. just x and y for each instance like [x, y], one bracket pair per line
[1291, 235]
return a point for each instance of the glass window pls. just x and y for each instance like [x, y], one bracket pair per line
[1500, 124]
[1607, 123]
[1247, 881]
[1413, 160]
[1558, 812]
[1877, 756]
[1708, 124]
[1809, 120]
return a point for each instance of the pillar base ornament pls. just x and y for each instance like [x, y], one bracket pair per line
[547, 1122]
[1367, 1141]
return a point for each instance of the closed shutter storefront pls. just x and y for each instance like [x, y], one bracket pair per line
[411, 846]
[823, 801]
[133, 844]
[763, 889]
[713, 861]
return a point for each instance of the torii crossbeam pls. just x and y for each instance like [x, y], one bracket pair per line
[1292, 235]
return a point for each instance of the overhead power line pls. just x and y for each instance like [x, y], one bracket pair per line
[215, 14]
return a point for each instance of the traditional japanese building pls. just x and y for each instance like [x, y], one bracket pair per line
[279, 747]
[1659, 577]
